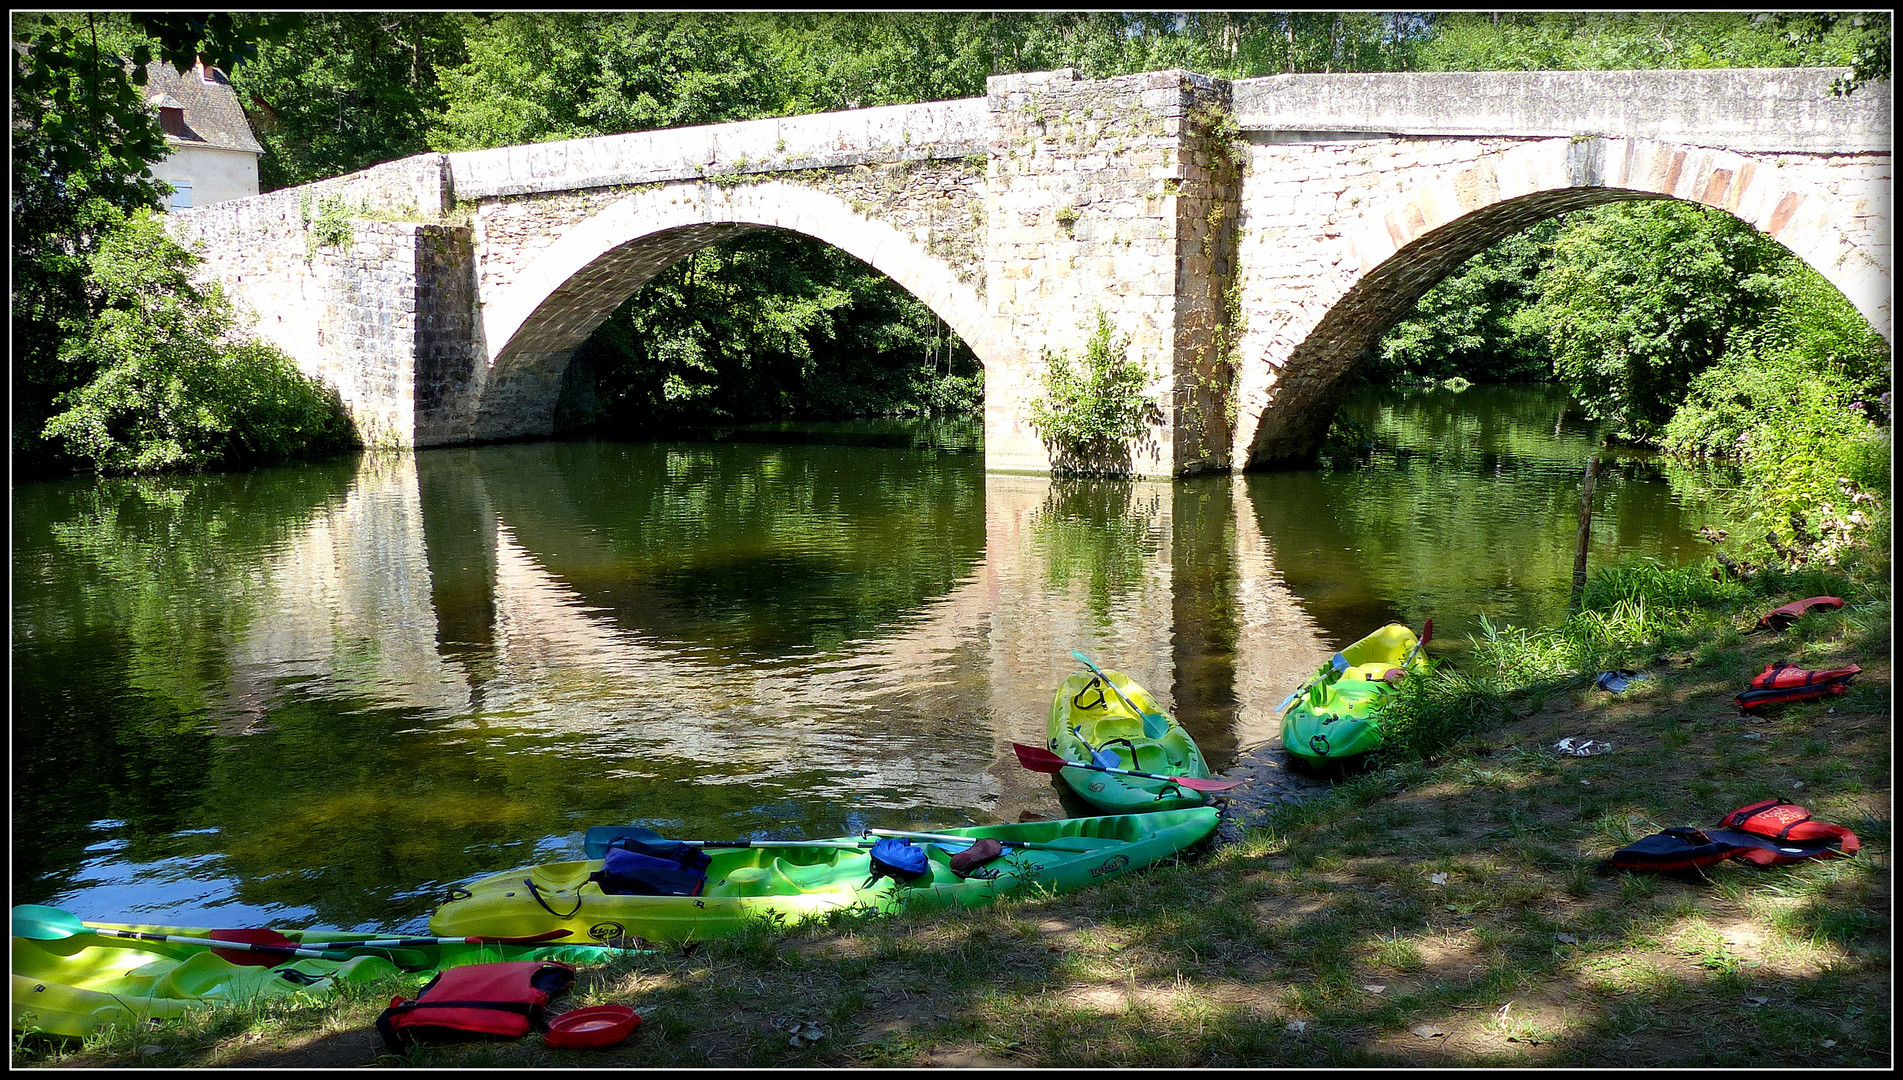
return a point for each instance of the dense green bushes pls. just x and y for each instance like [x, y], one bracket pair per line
[1683, 328]
[1094, 411]
[172, 387]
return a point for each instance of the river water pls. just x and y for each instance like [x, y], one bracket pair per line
[321, 695]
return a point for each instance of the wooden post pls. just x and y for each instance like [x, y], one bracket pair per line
[1585, 534]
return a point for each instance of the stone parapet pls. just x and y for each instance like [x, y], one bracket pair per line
[1252, 240]
[939, 129]
[1769, 109]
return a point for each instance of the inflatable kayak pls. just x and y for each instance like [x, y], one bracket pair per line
[796, 881]
[79, 985]
[1336, 714]
[1090, 722]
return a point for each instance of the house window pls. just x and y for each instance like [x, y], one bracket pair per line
[181, 194]
[172, 121]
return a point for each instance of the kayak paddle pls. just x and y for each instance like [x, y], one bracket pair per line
[1038, 759]
[1427, 631]
[1056, 843]
[1155, 725]
[40, 923]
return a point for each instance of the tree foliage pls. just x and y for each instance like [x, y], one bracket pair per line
[1638, 298]
[340, 91]
[83, 141]
[1470, 323]
[173, 387]
[1652, 40]
[1094, 410]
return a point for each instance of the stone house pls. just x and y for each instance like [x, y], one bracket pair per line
[214, 155]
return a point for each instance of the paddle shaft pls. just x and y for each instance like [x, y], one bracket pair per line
[1427, 631]
[1078, 843]
[596, 841]
[212, 943]
[1149, 719]
[1194, 783]
[1041, 760]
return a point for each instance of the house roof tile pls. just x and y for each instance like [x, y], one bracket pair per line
[213, 116]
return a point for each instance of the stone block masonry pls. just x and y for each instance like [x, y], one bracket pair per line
[1253, 239]
[1111, 195]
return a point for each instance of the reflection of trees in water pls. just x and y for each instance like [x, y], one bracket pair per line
[1465, 505]
[121, 654]
[743, 546]
[366, 814]
[1098, 530]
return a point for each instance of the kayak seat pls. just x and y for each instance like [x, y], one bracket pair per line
[1116, 725]
[790, 878]
[748, 881]
[1368, 672]
[1352, 698]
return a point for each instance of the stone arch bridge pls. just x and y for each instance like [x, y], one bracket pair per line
[1252, 238]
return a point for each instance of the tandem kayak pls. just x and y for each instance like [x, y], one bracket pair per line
[765, 881]
[1336, 714]
[76, 986]
[1088, 723]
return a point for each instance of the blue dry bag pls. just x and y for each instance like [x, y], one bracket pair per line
[897, 858]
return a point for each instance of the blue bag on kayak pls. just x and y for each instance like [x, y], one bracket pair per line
[632, 868]
[897, 858]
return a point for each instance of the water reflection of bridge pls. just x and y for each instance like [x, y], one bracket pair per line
[416, 591]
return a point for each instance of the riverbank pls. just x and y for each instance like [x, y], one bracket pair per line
[1444, 911]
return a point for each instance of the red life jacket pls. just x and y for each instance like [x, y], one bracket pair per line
[1779, 618]
[476, 1001]
[1782, 682]
[1790, 826]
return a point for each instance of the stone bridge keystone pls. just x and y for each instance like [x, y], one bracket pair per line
[1253, 239]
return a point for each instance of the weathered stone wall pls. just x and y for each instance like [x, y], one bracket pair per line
[939, 203]
[339, 293]
[1102, 194]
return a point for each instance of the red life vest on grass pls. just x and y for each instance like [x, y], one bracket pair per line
[1782, 682]
[476, 1001]
[1779, 618]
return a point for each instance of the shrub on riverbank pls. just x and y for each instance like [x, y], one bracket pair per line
[172, 384]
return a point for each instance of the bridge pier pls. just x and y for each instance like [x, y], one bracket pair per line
[1118, 195]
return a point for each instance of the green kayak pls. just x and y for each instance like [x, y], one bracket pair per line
[76, 986]
[794, 883]
[1336, 715]
[1088, 724]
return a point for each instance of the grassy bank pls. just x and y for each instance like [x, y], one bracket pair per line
[1445, 908]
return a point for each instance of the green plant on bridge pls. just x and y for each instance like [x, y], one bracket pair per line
[329, 226]
[1094, 414]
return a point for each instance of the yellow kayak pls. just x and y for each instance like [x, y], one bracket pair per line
[1090, 723]
[76, 986]
[1337, 713]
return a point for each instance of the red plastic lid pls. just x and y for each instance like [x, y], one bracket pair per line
[598, 1025]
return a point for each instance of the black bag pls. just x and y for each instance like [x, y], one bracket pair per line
[1673, 849]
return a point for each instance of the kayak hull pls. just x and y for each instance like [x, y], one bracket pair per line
[81, 985]
[1337, 714]
[784, 885]
[1085, 720]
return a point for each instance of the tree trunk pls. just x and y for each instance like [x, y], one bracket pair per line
[1585, 534]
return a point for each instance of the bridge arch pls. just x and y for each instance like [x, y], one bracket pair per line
[1397, 250]
[532, 324]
